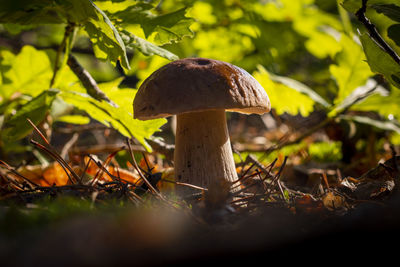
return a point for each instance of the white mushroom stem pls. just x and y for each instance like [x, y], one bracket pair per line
[203, 153]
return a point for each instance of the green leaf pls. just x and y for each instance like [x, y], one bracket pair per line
[319, 28]
[284, 98]
[145, 47]
[28, 12]
[35, 110]
[382, 101]
[15, 29]
[379, 61]
[74, 119]
[394, 33]
[167, 28]
[350, 70]
[107, 42]
[6, 60]
[30, 72]
[88, 104]
[299, 87]
[120, 117]
[170, 27]
[357, 96]
[384, 125]
[352, 5]
[392, 11]
[325, 151]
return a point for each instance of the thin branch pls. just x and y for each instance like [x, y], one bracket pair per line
[12, 170]
[149, 185]
[373, 32]
[68, 145]
[87, 80]
[52, 152]
[64, 165]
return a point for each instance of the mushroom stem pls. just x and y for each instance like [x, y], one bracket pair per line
[203, 153]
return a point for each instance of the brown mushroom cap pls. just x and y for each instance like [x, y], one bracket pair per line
[199, 84]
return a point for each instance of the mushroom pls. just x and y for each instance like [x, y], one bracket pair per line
[199, 91]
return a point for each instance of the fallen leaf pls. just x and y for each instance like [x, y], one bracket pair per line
[333, 201]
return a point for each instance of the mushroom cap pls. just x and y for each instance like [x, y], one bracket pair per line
[199, 84]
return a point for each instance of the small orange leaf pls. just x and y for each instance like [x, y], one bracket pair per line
[55, 175]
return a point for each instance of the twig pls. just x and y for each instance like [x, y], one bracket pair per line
[259, 165]
[103, 148]
[185, 184]
[10, 180]
[68, 145]
[87, 80]
[11, 169]
[53, 153]
[276, 178]
[81, 128]
[57, 158]
[156, 192]
[38, 132]
[373, 32]
[248, 185]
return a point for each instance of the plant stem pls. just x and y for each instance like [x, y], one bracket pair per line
[373, 32]
[65, 42]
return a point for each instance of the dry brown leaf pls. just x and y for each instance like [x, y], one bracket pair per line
[54, 174]
[333, 201]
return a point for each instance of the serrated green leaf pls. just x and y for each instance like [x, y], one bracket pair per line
[319, 28]
[6, 61]
[394, 33]
[30, 73]
[141, 130]
[170, 27]
[83, 102]
[35, 110]
[350, 70]
[146, 47]
[166, 28]
[120, 117]
[284, 98]
[107, 43]
[106, 40]
[379, 61]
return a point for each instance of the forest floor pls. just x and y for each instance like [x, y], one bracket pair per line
[95, 211]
